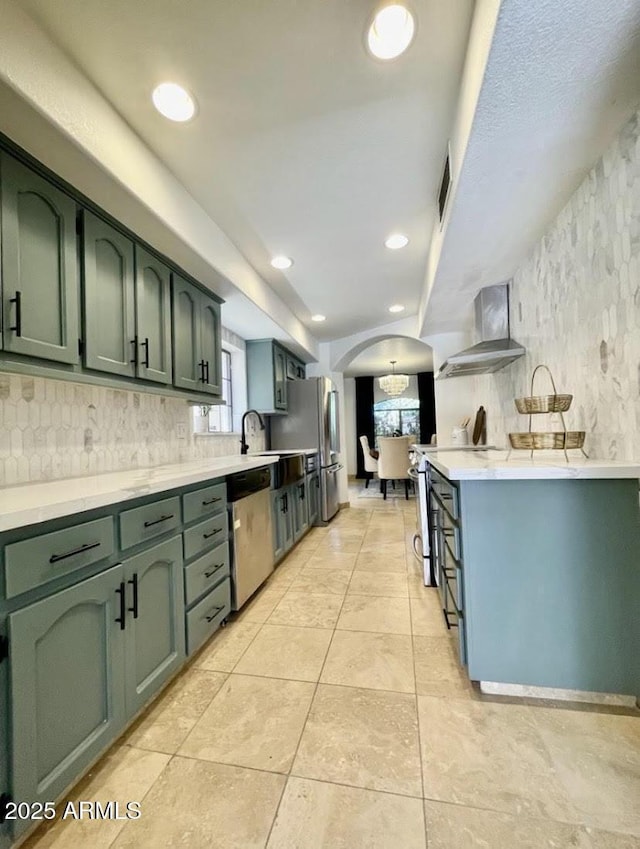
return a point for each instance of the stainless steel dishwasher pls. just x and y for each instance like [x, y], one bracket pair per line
[249, 496]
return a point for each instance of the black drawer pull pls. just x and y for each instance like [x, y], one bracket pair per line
[445, 496]
[212, 616]
[56, 557]
[206, 367]
[157, 521]
[213, 533]
[134, 584]
[120, 618]
[134, 342]
[201, 367]
[210, 501]
[216, 568]
[145, 345]
[17, 327]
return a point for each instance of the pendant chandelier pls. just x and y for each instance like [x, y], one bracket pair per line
[393, 384]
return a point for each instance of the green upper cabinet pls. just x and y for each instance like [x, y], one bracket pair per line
[67, 683]
[196, 339]
[267, 376]
[107, 298]
[295, 368]
[188, 372]
[39, 266]
[211, 344]
[153, 318]
[155, 645]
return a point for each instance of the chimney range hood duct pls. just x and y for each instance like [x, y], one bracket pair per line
[497, 349]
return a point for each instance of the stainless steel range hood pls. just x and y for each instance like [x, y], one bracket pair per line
[497, 349]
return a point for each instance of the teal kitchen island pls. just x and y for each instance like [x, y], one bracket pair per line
[538, 568]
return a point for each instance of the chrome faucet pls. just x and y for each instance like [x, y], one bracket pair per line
[244, 448]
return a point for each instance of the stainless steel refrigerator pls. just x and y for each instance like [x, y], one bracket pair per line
[312, 422]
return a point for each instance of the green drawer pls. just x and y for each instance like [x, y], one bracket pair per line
[36, 561]
[447, 494]
[204, 502]
[206, 616]
[152, 520]
[205, 572]
[205, 535]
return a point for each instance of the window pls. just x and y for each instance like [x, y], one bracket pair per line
[221, 417]
[397, 417]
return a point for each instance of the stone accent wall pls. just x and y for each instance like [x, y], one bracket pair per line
[575, 306]
[52, 429]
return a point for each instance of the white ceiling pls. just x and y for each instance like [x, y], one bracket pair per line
[303, 144]
[562, 78]
[411, 355]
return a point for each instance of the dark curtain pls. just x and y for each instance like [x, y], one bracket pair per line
[426, 394]
[364, 418]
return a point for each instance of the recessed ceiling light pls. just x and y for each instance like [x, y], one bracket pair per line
[174, 102]
[395, 241]
[391, 31]
[396, 308]
[318, 317]
[281, 262]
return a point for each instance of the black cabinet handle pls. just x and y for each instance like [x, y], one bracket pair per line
[17, 327]
[134, 342]
[120, 619]
[56, 557]
[212, 616]
[134, 584]
[206, 366]
[286, 502]
[301, 488]
[280, 395]
[213, 571]
[283, 504]
[201, 367]
[157, 521]
[145, 345]
[213, 533]
[210, 501]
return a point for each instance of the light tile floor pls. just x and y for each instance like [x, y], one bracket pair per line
[332, 714]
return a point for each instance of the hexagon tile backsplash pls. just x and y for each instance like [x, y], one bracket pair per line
[575, 306]
[52, 429]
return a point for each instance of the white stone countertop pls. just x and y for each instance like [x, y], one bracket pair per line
[283, 451]
[493, 465]
[27, 504]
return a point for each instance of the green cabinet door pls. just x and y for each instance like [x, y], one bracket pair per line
[278, 522]
[153, 317]
[5, 836]
[155, 643]
[313, 497]
[279, 378]
[300, 510]
[188, 365]
[39, 266]
[210, 345]
[67, 684]
[107, 298]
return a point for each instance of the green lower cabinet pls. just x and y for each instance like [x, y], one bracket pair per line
[5, 834]
[282, 507]
[300, 509]
[155, 646]
[67, 656]
[313, 497]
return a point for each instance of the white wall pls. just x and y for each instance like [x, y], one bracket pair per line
[575, 306]
[455, 397]
[350, 437]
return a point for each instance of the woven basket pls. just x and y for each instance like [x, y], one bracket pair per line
[543, 404]
[550, 439]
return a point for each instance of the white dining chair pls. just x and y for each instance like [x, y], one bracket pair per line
[393, 462]
[370, 463]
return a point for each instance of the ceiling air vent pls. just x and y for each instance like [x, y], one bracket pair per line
[445, 184]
